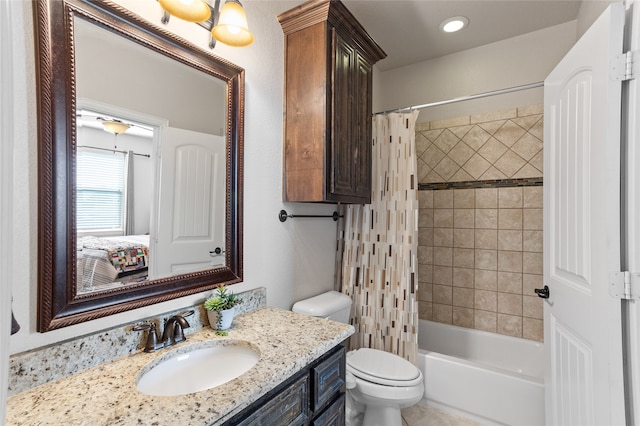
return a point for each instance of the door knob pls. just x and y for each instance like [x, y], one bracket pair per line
[543, 292]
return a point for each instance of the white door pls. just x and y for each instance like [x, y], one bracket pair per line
[191, 218]
[582, 323]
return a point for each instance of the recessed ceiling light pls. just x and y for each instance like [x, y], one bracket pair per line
[454, 24]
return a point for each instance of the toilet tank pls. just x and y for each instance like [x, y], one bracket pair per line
[332, 305]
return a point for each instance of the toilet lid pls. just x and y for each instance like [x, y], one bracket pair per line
[383, 367]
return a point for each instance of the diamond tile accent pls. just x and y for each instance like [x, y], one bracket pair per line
[506, 146]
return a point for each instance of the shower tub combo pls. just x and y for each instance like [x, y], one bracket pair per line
[487, 377]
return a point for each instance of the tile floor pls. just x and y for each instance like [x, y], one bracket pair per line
[422, 415]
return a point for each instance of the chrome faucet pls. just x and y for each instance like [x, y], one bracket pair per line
[173, 332]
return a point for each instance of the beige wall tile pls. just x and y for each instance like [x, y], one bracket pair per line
[463, 238]
[443, 237]
[530, 110]
[443, 218]
[463, 317]
[464, 218]
[510, 282]
[510, 261]
[425, 273]
[487, 218]
[509, 303]
[463, 297]
[486, 300]
[443, 256]
[461, 176]
[464, 198]
[425, 236]
[432, 156]
[509, 133]
[492, 127]
[425, 256]
[487, 198]
[425, 199]
[509, 218]
[532, 241]
[461, 153]
[510, 198]
[532, 329]
[451, 122]
[532, 307]
[446, 141]
[463, 277]
[442, 294]
[527, 146]
[492, 174]
[446, 168]
[492, 150]
[509, 240]
[532, 219]
[463, 258]
[486, 280]
[530, 282]
[422, 143]
[425, 310]
[483, 320]
[532, 263]
[425, 292]
[532, 197]
[442, 313]
[461, 131]
[476, 137]
[425, 217]
[443, 199]
[486, 239]
[443, 275]
[509, 325]
[476, 166]
[494, 115]
[486, 259]
[425, 125]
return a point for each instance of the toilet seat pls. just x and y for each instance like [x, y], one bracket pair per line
[383, 368]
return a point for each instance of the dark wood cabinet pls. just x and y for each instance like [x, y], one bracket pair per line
[313, 396]
[329, 59]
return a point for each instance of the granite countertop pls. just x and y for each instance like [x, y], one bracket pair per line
[107, 394]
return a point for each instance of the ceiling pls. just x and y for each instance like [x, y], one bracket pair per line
[407, 30]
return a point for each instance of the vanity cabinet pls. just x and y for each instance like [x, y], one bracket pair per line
[313, 396]
[329, 59]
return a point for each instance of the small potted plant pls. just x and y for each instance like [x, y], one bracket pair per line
[220, 308]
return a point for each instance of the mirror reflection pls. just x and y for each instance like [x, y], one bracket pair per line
[150, 164]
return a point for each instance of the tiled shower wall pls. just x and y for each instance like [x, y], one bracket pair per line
[480, 248]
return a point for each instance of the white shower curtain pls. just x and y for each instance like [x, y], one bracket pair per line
[129, 210]
[377, 250]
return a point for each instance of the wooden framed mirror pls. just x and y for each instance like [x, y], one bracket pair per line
[183, 120]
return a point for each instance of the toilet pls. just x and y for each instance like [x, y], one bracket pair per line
[379, 384]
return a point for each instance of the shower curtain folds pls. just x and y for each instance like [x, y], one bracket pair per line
[377, 248]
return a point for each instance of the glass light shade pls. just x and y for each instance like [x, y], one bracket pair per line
[115, 127]
[189, 10]
[232, 28]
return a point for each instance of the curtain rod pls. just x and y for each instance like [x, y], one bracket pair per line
[469, 97]
[113, 150]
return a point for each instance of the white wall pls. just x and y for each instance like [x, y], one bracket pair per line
[292, 260]
[512, 62]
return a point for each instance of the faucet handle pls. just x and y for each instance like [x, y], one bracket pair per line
[152, 337]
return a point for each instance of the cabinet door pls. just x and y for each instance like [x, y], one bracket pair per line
[350, 168]
[362, 138]
[342, 147]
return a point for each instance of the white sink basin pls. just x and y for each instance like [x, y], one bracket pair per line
[197, 367]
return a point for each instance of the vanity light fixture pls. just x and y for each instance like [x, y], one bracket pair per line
[232, 28]
[189, 10]
[227, 25]
[115, 126]
[453, 24]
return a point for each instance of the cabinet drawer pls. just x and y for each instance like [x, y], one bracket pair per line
[333, 415]
[289, 407]
[327, 378]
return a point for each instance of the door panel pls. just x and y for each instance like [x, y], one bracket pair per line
[190, 222]
[583, 339]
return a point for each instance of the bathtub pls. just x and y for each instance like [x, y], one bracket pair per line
[487, 377]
